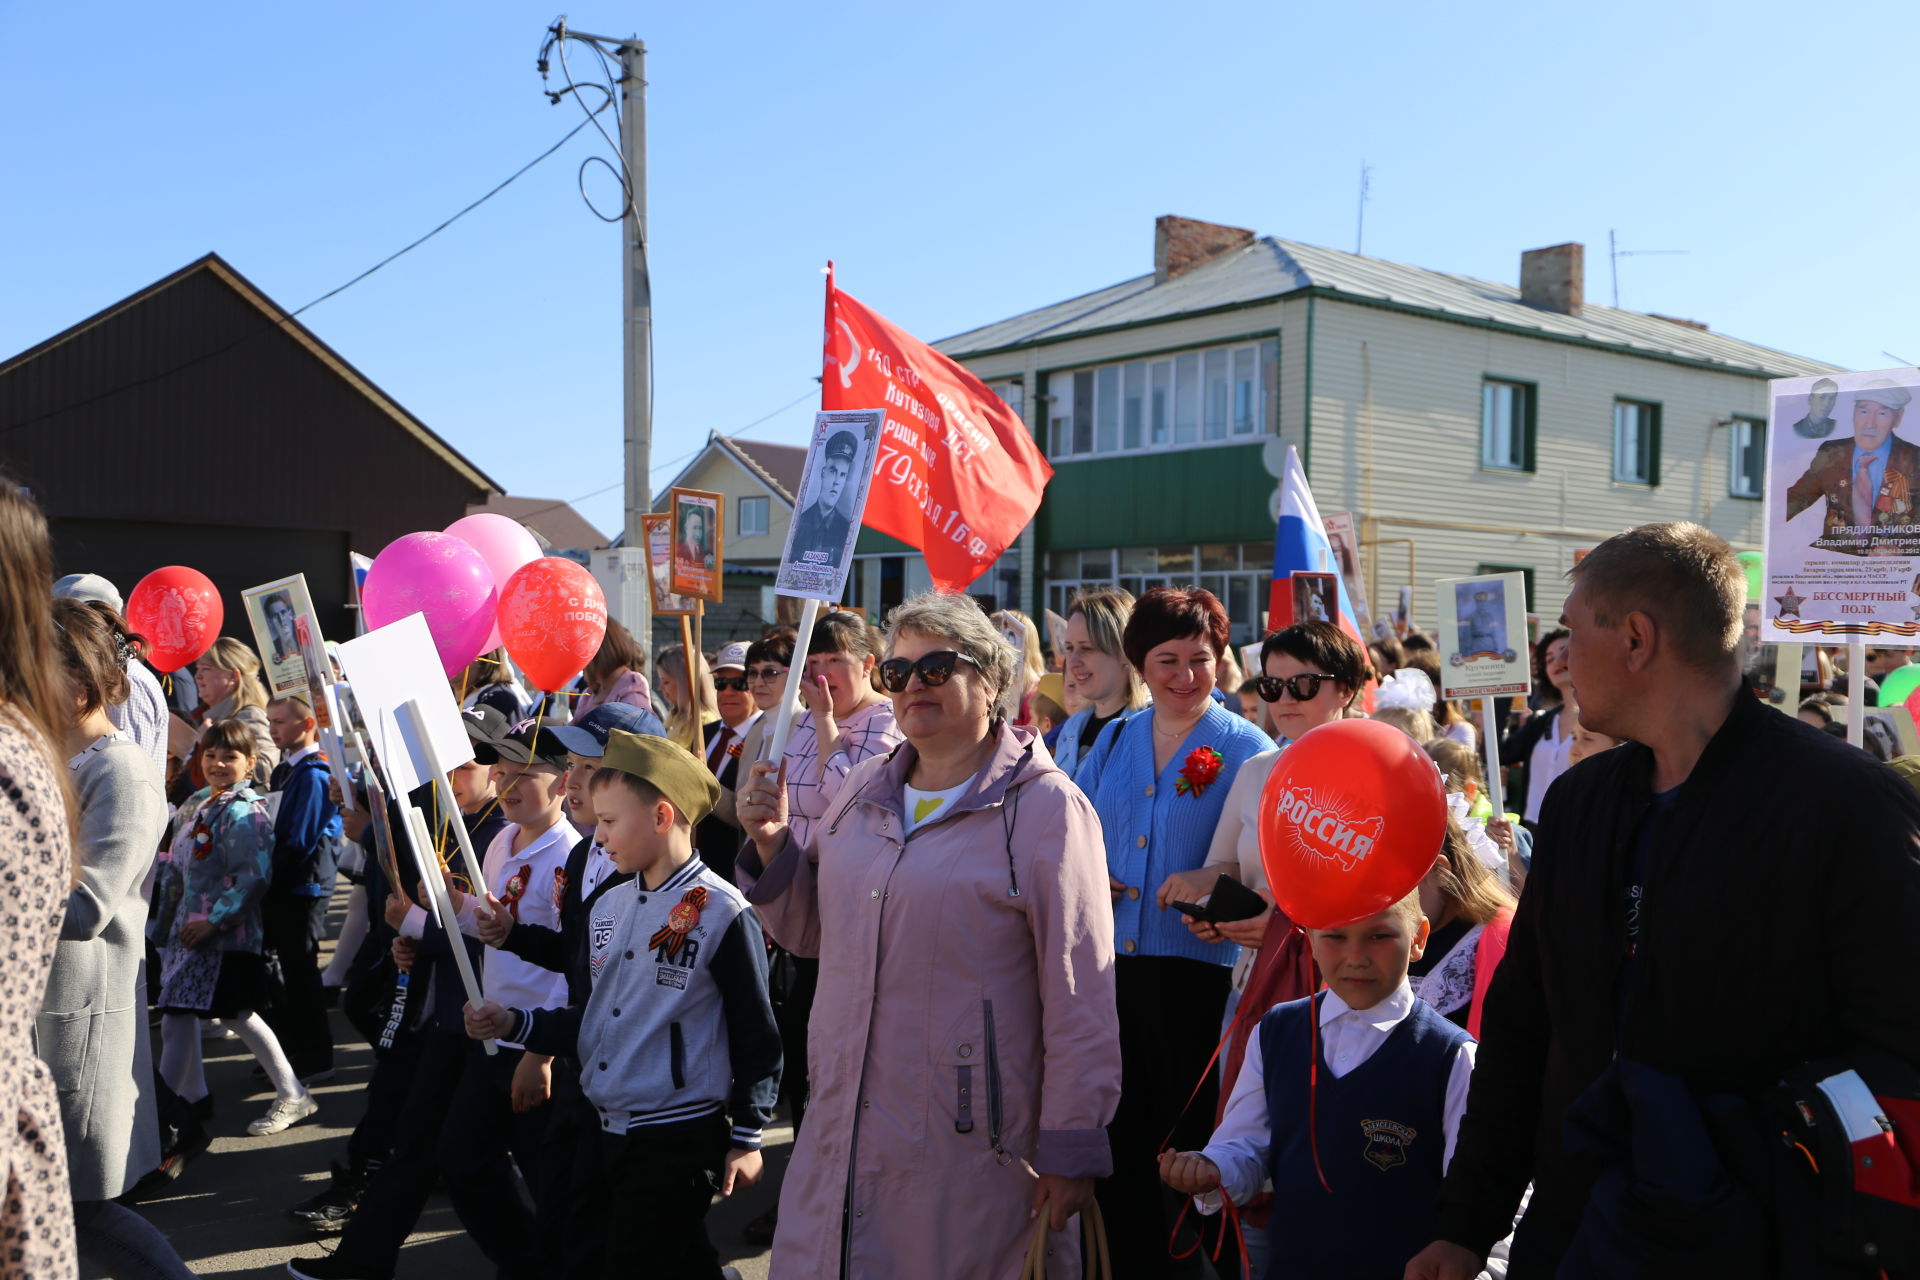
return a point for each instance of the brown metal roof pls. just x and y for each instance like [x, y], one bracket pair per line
[780, 465]
[218, 268]
[556, 524]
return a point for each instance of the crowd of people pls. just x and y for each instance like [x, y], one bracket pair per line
[993, 932]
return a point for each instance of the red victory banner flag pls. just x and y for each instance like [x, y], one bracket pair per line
[956, 474]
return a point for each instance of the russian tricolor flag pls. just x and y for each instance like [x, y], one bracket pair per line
[1300, 542]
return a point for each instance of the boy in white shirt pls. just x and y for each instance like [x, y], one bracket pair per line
[1349, 1101]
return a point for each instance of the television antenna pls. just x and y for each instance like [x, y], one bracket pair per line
[1360, 224]
[1615, 253]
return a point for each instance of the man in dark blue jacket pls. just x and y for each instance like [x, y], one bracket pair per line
[306, 836]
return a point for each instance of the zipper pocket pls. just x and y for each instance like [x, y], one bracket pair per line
[993, 1086]
[677, 1055]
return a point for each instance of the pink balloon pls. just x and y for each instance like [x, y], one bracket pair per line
[503, 543]
[445, 579]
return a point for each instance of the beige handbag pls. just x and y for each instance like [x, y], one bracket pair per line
[1093, 1229]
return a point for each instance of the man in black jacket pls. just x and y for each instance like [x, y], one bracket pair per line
[1730, 894]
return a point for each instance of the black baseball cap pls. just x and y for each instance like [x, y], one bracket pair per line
[524, 743]
[588, 735]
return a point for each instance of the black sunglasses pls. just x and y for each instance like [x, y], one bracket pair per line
[934, 670]
[767, 673]
[737, 684]
[1304, 687]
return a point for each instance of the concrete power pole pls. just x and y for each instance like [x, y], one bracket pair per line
[632, 601]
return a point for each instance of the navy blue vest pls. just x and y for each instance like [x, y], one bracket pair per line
[1381, 1145]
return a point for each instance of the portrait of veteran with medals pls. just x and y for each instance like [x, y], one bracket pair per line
[821, 538]
[1867, 481]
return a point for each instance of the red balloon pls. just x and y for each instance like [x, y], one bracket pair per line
[1351, 819]
[552, 619]
[179, 612]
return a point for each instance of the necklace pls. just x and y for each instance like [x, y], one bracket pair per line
[1179, 732]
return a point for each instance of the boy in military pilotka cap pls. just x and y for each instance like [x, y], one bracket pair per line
[678, 1049]
[1350, 1102]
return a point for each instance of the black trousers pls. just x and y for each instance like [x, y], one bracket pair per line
[1170, 1012]
[574, 1208]
[300, 1019]
[372, 1141]
[458, 1122]
[663, 1178]
[792, 982]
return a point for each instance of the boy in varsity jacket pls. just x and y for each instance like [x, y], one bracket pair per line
[678, 1049]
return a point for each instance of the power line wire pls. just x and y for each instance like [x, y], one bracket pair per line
[291, 315]
[808, 394]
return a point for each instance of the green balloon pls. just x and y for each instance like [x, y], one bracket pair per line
[1756, 573]
[1900, 682]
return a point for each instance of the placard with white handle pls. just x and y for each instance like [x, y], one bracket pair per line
[428, 864]
[475, 875]
[796, 672]
[1857, 693]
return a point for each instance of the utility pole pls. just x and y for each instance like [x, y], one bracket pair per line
[634, 607]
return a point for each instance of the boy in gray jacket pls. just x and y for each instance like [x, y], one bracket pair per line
[678, 1048]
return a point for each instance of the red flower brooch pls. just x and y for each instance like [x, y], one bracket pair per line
[1200, 770]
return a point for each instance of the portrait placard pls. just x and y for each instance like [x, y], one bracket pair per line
[828, 507]
[1346, 559]
[1483, 635]
[1315, 597]
[697, 559]
[292, 649]
[659, 531]
[1843, 540]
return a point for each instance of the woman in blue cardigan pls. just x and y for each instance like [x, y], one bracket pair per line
[1158, 781]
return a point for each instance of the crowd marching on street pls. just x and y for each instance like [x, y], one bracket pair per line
[1001, 931]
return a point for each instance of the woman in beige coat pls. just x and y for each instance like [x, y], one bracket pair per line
[964, 1047]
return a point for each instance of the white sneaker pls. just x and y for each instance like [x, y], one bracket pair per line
[214, 1029]
[730, 1273]
[284, 1114]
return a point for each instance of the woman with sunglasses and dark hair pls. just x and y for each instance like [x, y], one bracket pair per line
[965, 1048]
[1310, 673]
[1158, 780]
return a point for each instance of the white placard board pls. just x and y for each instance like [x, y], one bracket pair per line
[827, 510]
[1483, 635]
[388, 668]
[1831, 573]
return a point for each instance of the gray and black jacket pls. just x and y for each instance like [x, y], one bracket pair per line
[674, 1030]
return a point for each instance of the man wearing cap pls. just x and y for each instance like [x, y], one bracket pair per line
[1818, 424]
[144, 714]
[717, 839]
[820, 539]
[1868, 482]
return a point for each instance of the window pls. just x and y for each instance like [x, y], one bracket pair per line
[1194, 397]
[1506, 424]
[1747, 474]
[752, 517]
[1636, 442]
[1524, 569]
[1239, 573]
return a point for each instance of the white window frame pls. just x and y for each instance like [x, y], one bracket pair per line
[759, 502]
[1633, 459]
[1252, 579]
[1174, 407]
[1491, 455]
[1747, 434]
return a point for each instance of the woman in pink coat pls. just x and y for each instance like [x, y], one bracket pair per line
[964, 1046]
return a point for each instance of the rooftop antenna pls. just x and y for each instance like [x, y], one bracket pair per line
[1360, 228]
[1615, 253]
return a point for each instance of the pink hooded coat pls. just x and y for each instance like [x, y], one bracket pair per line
[965, 1037]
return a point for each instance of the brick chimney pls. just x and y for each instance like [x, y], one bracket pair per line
[1554, 278]
[1181, 244]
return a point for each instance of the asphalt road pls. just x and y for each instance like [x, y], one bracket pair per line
[227, 1213]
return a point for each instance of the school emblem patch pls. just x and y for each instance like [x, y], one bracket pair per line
[1387, 1143]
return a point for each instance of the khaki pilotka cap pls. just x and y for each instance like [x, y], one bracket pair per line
[672, 770]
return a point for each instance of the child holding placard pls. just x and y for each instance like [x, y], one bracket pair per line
[1350, 1102]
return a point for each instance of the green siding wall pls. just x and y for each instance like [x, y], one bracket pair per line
[872, 542]
[1147, 500]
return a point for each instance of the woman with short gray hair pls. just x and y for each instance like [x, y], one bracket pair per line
[964, 1034]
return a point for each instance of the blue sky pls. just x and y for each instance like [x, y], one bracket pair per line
[961, 164]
